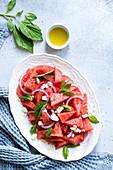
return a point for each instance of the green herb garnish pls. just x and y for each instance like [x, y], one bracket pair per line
[38, 109]
[41, 75]
[64, 88]
[26, 97]
[33, 130]
[72, 146]
[48, 133]
[93, 119]
[30, 16]
[65, 152]
[66, 108]
[27, 32]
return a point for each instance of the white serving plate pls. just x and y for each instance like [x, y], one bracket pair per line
[23, 123]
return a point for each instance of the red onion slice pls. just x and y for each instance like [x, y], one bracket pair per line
[30, 112]
[81, 91]
[36, 90]
[47, 127]
[76, 96]
[21, 85]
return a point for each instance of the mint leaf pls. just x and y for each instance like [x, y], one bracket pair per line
[64, 88]
[26, 97]
[30, 30]
[66, 108]
[93, 119]
[65, 152]
[41, 75]
[72, 146]
[11, 5]
[38, 109]
[10, 25]
[30, 16]
[22, 40]
[48, 133]
[19, 13]
[33, 130]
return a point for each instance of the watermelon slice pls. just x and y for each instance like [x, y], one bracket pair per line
[43, 69]
[57, 98]
[30, 84]
[76, 121]
[41, 134]
[84, 108]
[87, 126]
[19, 92]
[60, 144]
[31, 117]
[57, 75]
[74, 140]
[38, 97]
[64, 129]
[77, 103]
[57, 131]
[46, 119]
[28, 103]
[55, 139]
[65, 116]
[49, 78]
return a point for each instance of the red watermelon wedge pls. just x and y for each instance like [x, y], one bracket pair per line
[65, 116]
[57, 131]
[76, 121]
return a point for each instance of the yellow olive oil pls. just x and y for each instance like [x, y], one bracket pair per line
[58, 36]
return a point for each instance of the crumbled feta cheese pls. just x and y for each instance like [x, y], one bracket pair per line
[73, 135]
[54, 117]
[78, 130]
[74, 126]
[85, 115]
[44, 98]
[44, 86]
[59, 109]
[52, 98]
[34, 136]
[40, 123]
[24, 110]
[52, 111]
[50, 83]
[38, 81]
[64, 74]
[45, 110]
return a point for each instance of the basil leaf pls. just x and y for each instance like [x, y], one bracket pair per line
[63, 84]
[19, 13]
[33, 130]
[68, 84]
[10, 25]
[11, 5]
[30, 16]
[38, 109]
[26, 97]
[66, 108]
[48, 133]
[72, 146]
[65, 91]
[41, 75]
[93, 119]
[22, 40]
[31, 31]
[65, 152]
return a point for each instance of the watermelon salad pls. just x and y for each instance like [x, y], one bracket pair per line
[56, 106]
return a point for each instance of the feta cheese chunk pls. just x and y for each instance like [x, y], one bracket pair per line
[78, 130]
[85, 115]
[44, 86]
[73, 135]
[59, 109]
[44, 98]
[50, 83]
[38, 81]
[34, 136]
[52, 98]
[54, 117]
[40, 123]
[75, 129]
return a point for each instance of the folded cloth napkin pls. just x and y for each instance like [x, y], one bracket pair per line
[15, 151]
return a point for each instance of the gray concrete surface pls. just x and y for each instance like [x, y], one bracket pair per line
[90, 49]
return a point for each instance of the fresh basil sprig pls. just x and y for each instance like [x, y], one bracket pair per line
[33, 130]
[41, 75]
[66, 108]
[64, 88]
[93, 119]
[65, 152]
[72, 146]
[30, 16]
[38, 109]
[26, 97]
[26, 32]
[48, 133]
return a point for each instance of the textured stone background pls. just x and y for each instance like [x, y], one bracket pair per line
[90, 49]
